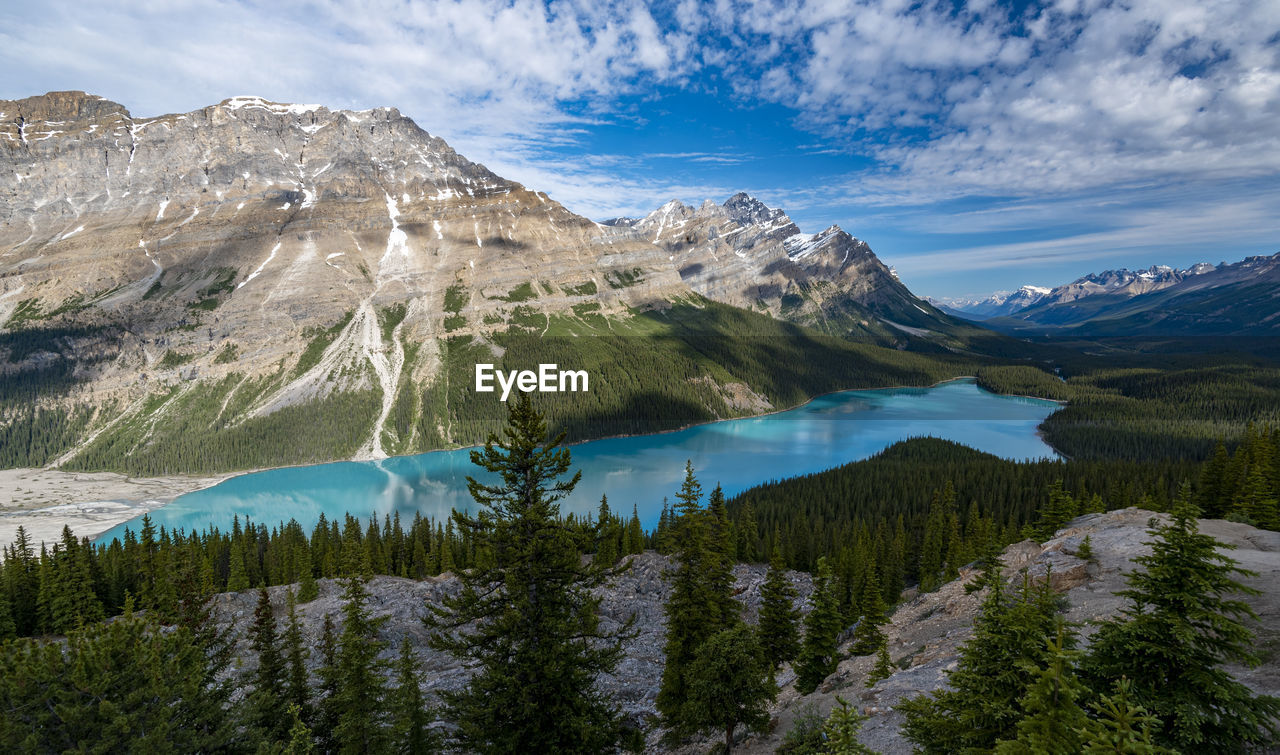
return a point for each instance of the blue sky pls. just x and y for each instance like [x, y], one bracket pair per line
[975, 146]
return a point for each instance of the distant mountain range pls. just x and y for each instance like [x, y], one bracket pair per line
[1242, 298]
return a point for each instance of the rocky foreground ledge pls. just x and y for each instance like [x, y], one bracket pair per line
[925, 632]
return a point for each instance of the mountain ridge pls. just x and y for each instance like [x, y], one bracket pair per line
[249, 259]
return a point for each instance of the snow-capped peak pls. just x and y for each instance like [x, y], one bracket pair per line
[253, 101]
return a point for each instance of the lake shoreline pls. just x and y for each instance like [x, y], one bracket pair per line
[95, 502]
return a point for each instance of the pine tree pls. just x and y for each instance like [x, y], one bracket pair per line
[300, 741]
[748, 534]
[724, 548]
[238, 576]
[1214, 497]
[1053, 718]
[818, 657]
[536, 642]
[868, 637]
[841, 728]
[329, 675]
[937, 539]
[361, 688]
[1085, 551]
[1120, 726]
[635, 533]
[729, 684]
[996, 668]
[690, 606]
[409, 721]
[606, 536]
[297, 689]
[1060, 509]
[1176, 634]
[8, 629]
[266, 708]
[883, 668]
[779, 639]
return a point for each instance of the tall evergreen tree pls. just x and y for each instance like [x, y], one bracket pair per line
[724, 549]
[779, 638]
[868, 637]
[1060, 509]
[410, 734]
[818, 656]
[267, 712]
[536, 640]
[729, 684]
[748, 534]
[635, 533]
[606, 535]
[297, 688]
[329, 676]
[361, 690]
[1174, 637]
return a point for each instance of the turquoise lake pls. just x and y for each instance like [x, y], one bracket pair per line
[640, 470]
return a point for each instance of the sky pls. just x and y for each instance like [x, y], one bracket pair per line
[975, 146]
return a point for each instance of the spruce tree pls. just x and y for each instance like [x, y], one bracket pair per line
[729, 684]
[818, 656]
[748, 534]
[1120, 726]
[691, 610]
[635, 533]
[410, 734]
[779, 639]
[1060, 509]
[1053, 717]
[841, 728]
[8, 630]
[297, 689]
[868, 637]
[1174, 637]
[606, 536]
[883, 668]
[996, 668]
[536, 638]
[361, 690]
[724, 548]
[329, 676]
[266, 708]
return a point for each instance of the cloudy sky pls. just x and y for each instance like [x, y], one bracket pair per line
[975, 146]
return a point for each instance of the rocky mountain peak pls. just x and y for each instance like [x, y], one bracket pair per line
[746, 209]
[67, 106]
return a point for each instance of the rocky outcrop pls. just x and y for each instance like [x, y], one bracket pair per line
[639, 592]
[925, 632]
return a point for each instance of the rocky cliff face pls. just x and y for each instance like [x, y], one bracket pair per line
[237, 228]
[925, 633]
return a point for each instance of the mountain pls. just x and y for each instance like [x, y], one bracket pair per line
[750, 255]
[255, 283]
[998, 304]
[1237, 299]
